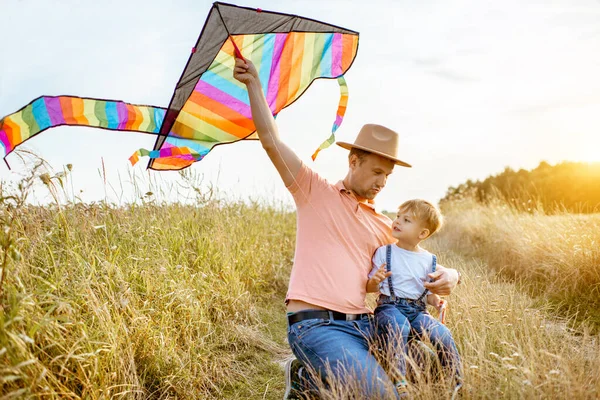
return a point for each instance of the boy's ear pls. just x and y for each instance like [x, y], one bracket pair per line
[424, 234]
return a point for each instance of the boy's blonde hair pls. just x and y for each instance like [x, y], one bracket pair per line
[424, 211]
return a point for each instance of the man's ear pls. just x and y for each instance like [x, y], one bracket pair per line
[424, 234]
[352, 161]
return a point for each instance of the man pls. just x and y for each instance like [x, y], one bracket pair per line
[338, 230]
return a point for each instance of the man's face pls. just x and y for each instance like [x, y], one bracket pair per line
[368, 177]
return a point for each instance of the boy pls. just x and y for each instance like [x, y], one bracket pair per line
[401, 304]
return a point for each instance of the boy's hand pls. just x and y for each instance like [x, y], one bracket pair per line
[435, 301]
[375, 280]
[244, 71]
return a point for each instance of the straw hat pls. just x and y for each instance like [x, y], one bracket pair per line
[378, 140]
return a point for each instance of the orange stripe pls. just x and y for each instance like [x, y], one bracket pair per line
[130, 117]
[138, 119]
[285, 66]
[226, 125]
[134, 159]
[183, 130]
[77, 107]
[66, 107]
[296, 69]
[348, 50]
[168, 163]
[218, 108]
[177, 151]
[228, 47]
[13, 132]
[239, 42]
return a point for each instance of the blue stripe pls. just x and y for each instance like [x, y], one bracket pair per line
[112, 115]
[326, 58]
[265, 64]
[40, 113]
[226, 86]
[194, 145]
[159, 116]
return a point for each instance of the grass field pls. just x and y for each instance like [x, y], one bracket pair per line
[186, 301]
[555, 257]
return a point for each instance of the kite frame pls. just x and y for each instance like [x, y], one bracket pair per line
[162, 137]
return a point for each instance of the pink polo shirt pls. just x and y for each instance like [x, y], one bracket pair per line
[335, 240]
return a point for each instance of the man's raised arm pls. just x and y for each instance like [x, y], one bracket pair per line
[284, 159]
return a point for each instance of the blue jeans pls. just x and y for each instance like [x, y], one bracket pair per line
[341, 348]
[396, 320]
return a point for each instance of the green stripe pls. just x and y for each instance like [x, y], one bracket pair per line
[100, 113]
[257, 50]
[29, 119]
[317, 55]
[152, 126]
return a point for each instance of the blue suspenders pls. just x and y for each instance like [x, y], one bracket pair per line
[388, 263]
[388, 266]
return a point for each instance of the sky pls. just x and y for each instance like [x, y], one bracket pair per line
[471, 87]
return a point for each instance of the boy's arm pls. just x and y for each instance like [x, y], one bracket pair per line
[285, 160]
[379, 276]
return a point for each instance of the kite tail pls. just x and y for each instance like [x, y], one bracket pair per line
[50, 111]
[187, 155]
[341, 111]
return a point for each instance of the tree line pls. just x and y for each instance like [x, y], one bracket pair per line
[567, 186]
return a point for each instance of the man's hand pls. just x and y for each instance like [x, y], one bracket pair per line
[244, 71]
[444, 280]
[375, 280]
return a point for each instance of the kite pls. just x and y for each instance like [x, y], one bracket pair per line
[209, 106]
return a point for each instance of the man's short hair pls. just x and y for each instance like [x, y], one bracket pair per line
[424, 211]
[361, 154]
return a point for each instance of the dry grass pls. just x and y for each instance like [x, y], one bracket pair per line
[152, 301]
[186, 301]
[556, 258]
[511, 348]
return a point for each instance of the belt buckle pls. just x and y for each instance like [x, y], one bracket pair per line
[351, 317]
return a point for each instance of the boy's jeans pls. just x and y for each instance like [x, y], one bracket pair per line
[394, 322]
[341, 348]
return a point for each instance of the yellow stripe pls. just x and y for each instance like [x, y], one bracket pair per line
[225, 59]
[248, 47]
[203, 127]
[307, 61]
[24, 132]
[295, 69]
[88, 112]
[225, 69]
[146, 118]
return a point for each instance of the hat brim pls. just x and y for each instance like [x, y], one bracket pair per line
[349, 146]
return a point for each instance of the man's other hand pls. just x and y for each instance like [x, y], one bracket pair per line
[444, 281]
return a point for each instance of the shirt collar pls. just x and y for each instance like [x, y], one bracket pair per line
[340, 186]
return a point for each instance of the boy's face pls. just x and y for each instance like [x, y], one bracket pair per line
[409, 228]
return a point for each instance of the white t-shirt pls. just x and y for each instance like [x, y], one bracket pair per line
[409, 271]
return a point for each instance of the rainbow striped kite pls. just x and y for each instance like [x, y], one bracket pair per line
[209, 106]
